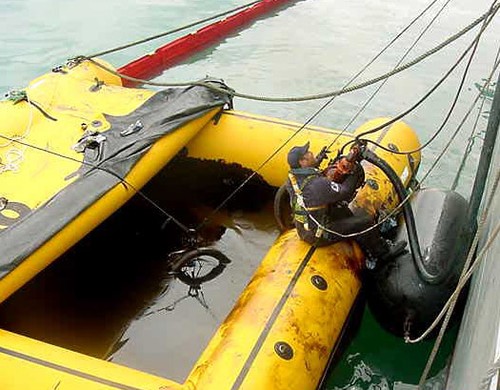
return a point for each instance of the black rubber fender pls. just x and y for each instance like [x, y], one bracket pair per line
[282, 210]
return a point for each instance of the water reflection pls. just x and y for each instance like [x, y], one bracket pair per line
[367, 377]
[115, 295]
[364, 376]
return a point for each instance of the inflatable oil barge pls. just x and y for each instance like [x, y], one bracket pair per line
[80, 145]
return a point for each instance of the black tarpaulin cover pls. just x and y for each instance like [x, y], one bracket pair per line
[163, 113]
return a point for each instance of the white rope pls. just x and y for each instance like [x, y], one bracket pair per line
[490, 374]
[464, 278]
[13, 159]
[14, 156]
[422, 180]
[467, 272]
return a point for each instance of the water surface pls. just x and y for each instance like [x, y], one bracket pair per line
[110, 304]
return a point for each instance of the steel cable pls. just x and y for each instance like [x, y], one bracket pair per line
[163, 34]
[317, 113]
[307, 97]
[407, 198]
[472, 46]
[472, 137]
[420, 36]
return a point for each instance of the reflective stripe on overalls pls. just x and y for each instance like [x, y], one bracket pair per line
[299, 208]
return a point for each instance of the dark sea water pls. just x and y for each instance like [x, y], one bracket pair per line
[109, 295]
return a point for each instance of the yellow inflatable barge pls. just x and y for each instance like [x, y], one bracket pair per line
[76, 145]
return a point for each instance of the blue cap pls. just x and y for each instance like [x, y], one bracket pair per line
[296, 153]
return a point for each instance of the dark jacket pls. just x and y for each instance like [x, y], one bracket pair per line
[324, 199]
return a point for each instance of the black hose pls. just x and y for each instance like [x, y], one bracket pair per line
[411, 228]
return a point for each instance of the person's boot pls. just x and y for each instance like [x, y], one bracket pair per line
[384, 252]
[393, 250]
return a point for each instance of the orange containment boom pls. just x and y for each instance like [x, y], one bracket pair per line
[153, 64]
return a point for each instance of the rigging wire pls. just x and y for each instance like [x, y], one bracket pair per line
[468, 148]
[472, 137]
[407, 198]
[308, 97]
[163, 34]
[236, 190]
[479, 257]
[472, 46]
[462, 122]
[231, 195]
[344, 90]
[234, 10]
[398, 208]
[468, 270]
[93, 166]
[375, 93]
[490, 374]
[375, 58]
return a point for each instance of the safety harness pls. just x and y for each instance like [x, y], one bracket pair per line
[299, 209]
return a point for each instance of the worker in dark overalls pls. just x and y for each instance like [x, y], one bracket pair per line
[320, 200]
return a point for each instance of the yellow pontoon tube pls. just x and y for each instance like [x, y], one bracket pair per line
[287, 321]
[74, 147]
